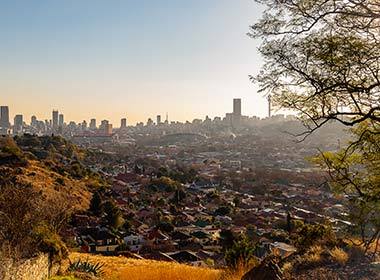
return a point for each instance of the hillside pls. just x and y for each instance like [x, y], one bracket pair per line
[52, 166]
[121, 268]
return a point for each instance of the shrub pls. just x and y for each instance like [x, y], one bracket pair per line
[339, 256]
[307, 235]
[241, 254]
[86, 267]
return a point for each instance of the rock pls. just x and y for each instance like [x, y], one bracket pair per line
[266, 270]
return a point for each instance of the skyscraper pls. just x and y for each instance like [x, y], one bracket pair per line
[55, 120]
[61, 120]
[158, 119]
[4, 117]
[123, 123]
[18, 122]
[237, 107]
[33, 121]
[93, 124]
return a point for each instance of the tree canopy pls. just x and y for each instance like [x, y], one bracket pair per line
[321, 58]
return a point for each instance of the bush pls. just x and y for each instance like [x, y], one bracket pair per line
[339, 256]
[86, 267]
[241, 254]
[307, 235]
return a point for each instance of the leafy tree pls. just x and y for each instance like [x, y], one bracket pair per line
[114, 216]
[355, 171]
[95, 204]
[241, 254]
[322, 58]
[307, 235]
[322, 61]
[227, 238]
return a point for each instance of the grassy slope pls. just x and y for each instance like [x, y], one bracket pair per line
[73, 192]
[121, 268]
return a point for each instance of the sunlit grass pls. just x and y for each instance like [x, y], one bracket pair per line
[122, 268]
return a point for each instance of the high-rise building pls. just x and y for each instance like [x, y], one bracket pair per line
[84, 125]
[237, 107]
[4, 117]
[158, 119]
[108, 129]
[123, 123]
[33, 121]
[61, 120]
[103, 124]
[55, 119]
[18, 122]
[149, 122]
[93, 124]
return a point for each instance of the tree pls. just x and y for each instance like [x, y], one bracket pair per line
[322, 61]
[114, 215]
[29, 222]
[241, 254]
[321, 58]
[95, 204]
[355, 172]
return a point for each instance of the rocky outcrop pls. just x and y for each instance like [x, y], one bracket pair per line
[266, 270]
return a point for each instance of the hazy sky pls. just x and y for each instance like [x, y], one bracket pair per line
[110, 59]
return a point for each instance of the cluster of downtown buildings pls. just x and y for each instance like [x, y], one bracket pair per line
[91, 132]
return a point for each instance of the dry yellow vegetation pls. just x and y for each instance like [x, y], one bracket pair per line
[339, 256]
[122, 268]
[73, 192]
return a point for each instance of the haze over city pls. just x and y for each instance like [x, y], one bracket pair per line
[128, 59]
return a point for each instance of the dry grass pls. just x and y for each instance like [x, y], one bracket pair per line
[339, 256]
[74, 192]
[313, 256]
[234, 274]
[122, 268]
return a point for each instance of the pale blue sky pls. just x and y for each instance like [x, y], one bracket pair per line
[111, 58]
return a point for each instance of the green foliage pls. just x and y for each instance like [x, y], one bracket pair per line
[53, 245]
[10, 153]
[95, 204]
[355, 171]
[227, 238]
[241, 254]
[307, 235]
[114, 216]
[321, 60]
[86, 267]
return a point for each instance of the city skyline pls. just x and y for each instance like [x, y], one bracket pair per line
[91, 59]
[57, 118]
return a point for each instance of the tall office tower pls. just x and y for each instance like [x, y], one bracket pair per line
[123, 123]
[18, 121]
[4, 117]
[61, 120]
[103, 124]
[237, 107]
[55, 120]
[158, 119]
[108, 129]
[149, 122]
[33, 121]
[93, 124]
